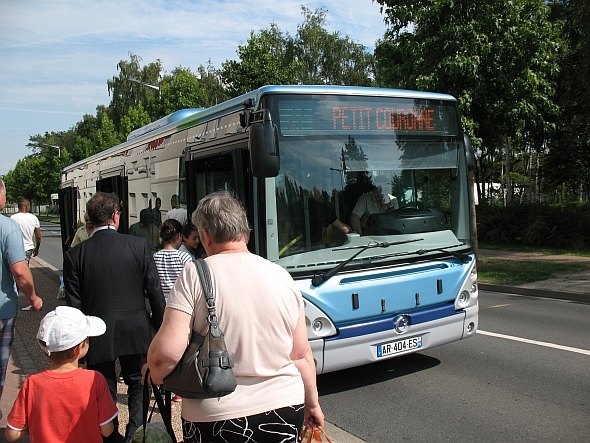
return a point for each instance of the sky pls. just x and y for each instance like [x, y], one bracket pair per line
[57, 55]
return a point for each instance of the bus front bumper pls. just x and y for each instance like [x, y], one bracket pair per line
[335, 353]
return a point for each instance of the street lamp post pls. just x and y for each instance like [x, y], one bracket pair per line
[149, 85]
[39, 144]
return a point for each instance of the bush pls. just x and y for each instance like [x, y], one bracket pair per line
[565, 226]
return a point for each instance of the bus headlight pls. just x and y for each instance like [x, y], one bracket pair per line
[469, 291]
[318, 324]
[463, 299]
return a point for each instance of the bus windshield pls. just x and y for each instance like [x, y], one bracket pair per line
[358, 169]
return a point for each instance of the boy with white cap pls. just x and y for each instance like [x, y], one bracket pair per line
[64, 403]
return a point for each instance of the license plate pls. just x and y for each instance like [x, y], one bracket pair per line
[398, 346]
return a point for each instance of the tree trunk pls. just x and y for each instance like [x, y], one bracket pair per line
[507, 174]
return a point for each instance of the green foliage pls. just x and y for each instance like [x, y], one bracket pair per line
[567, 170]
[499, 59]
[264, 60]
[135, 118]
[212, 84]
[106, 135]
[541, 225]
[512, 272]
[34, 178]
[314, 56]
[180, 90]
[127, 94]
[326, 58]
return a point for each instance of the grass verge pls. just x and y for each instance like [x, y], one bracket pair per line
[49, 218]
[538, 250]
[512, 272]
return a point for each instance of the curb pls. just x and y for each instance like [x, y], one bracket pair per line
[570, 296]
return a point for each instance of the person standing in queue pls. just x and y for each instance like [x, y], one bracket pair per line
[14, 271]
[262, 314]
[145, 228]
[157, 214]
[83, 232]
[108, 276]
[170, 260]
[30, 227]
[191, 242]
[177, 213]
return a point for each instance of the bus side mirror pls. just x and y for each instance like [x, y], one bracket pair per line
[264, 145]
[469, 154]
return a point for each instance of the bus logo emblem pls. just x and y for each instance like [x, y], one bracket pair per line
[401, 324]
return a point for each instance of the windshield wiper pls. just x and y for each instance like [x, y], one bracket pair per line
[318, 279]
[458, 255]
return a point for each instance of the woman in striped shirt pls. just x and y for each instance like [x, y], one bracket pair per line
[169, 260]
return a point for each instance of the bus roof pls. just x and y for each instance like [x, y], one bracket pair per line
[187, 118]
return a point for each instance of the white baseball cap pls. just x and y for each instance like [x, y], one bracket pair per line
[66, 327]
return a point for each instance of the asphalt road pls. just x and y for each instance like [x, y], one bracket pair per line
[50, 249]
[487, 388]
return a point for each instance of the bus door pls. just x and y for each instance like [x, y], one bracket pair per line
[226, 171]
[118, 185]
[68, 208]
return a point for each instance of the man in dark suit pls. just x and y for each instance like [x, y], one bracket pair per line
[108, 276]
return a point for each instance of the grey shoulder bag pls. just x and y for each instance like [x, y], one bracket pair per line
[205, 369]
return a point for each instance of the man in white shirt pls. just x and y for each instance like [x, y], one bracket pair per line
[29, 226]
[177, 212]
[372, 202]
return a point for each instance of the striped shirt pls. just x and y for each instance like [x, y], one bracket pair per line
[170, 263]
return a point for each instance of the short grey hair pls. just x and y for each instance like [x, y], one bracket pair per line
[223, 217]
[2, 187]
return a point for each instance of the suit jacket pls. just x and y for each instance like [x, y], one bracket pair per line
[109, 275]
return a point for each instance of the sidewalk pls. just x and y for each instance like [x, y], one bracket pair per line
[27, 357]
[575, 287]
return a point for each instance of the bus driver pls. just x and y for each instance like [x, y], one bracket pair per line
[372, 202]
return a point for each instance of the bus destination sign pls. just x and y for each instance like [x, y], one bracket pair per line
[360, 118]
[377, 116]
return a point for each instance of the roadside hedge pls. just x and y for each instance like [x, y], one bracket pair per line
[564, 226]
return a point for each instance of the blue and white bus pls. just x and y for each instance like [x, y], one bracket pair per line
[303, 160]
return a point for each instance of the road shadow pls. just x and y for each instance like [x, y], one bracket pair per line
[366, 375]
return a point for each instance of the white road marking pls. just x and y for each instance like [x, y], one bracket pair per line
[535, 342]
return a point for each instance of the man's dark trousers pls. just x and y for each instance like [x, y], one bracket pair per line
[131, 372]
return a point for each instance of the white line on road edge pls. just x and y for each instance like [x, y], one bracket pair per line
[535, 342]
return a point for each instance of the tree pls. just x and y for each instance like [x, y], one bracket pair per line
[212, 84]
[567, 169]
[264, 60]
[127, 94]
[498, 58]
[85, 141]
[106, 135]
[326, 58]
[135, 118]
[180, 90]
[314, 56]
[35, 177]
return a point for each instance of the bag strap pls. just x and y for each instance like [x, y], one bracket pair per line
[165, 407]
[205, 278]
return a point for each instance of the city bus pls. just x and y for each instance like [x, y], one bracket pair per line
[304, 160]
